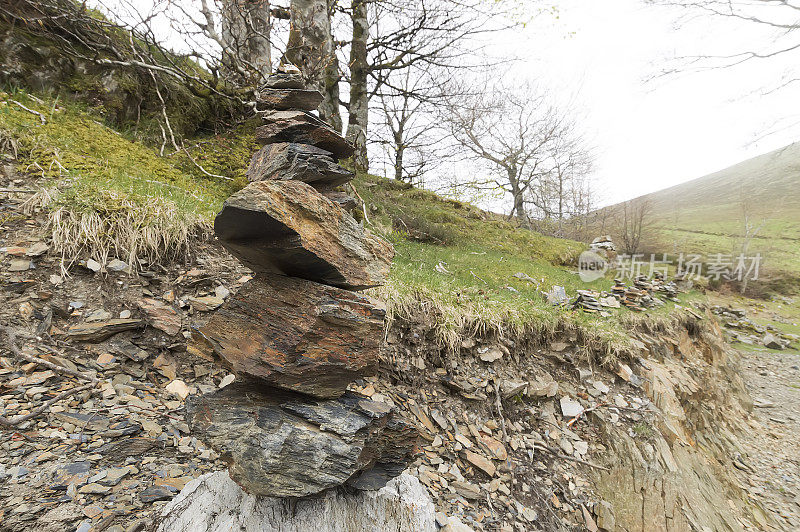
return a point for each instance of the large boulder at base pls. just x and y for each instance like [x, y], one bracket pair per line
[214, 503]
[286, 161]
[282, 444]
[303, 128]
[295, 334]
[288, 227]
[289, 98]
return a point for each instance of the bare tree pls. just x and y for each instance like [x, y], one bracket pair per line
[390, 37]
[358, 106]
[633, 219]
[518, 135]
[407, 129]
[565, 192]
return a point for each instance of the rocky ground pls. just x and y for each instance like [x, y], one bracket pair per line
[770, 471]
[516, 435]
[102, 458]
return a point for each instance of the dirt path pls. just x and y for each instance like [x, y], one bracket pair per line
[773, 446]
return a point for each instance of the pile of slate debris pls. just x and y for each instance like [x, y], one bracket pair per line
[741, 328]
[644, 294]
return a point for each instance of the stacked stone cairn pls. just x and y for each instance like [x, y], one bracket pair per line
[298, 333]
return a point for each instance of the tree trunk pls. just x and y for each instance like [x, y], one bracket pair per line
[245, 31]
[519, 201]
[310, 48]
[398, 161]
[560, 206]
[359, 110]
[519, 207]
[329, 108]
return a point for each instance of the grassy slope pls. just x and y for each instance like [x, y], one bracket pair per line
[102, 183]
[705, 215]
[109, 179]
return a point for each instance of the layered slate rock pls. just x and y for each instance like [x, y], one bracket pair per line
[289, 98]
[99, 331]
[286, 161]
[288, 227]
[295, 334]
[302, 128]
[281, 444]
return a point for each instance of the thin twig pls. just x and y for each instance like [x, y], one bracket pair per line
[477, 277]
[12, 337]
[363, 204]
[10, 422]
[122, 407]
[574, 419]
[498, 402]
[37, 113]
[566, 457]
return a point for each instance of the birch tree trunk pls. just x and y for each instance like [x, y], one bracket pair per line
[329, 108]
[359, 101]
[310, 47]
[245, 33]
[400, 148]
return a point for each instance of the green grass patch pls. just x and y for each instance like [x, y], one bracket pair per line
[107, 195]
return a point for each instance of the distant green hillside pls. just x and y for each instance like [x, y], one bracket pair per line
[706, 215]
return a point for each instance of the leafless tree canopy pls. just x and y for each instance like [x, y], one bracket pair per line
[398, 52]
[780, 17]
[528, 148]
[633, 218]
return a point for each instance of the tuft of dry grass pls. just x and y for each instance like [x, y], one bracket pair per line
[40, 200]
[118, 227]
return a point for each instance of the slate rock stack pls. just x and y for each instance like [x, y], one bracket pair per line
[297, 334]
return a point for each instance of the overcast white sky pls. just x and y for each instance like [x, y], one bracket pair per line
[649, 136]
[598, 54]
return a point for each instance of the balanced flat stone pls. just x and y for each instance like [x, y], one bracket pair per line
[295, 334]
[287, 161]
[281, 444]
[303, 128]
[289, 98]
[281, 80]
[288, 227]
